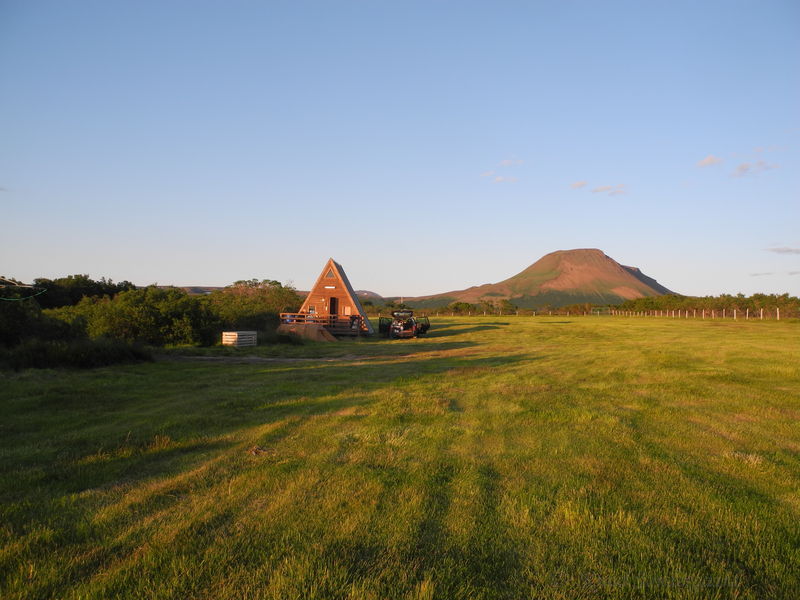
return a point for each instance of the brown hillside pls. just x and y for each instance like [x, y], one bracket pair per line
[560, 278]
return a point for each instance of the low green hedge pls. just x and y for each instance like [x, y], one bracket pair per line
[78, 354]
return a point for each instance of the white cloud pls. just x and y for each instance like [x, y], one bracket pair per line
[784, 250]
[578, 185]
[611, 190]
[742, 170]
[757, 167]
[709, 161]
[620, 189]
[511, 162]
[759, 274]
[504, 179]
[487, 173]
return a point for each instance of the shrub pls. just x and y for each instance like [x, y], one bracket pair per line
[79, 354]
[152, 316]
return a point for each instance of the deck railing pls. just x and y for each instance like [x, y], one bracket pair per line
[336, 324]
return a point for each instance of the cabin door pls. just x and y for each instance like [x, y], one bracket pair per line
[334, 305]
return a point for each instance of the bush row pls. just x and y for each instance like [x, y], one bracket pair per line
[81, 353]
[115, 326]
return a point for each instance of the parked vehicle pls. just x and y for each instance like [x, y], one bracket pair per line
[403, 324]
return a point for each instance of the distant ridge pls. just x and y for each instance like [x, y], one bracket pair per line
[558, 279]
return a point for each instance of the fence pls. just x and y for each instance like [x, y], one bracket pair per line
[337, 325]
[735, 314]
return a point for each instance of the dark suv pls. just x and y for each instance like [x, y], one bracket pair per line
[403, 324]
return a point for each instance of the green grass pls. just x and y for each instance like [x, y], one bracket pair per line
[511, 457]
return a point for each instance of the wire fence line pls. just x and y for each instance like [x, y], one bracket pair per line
[735, 314]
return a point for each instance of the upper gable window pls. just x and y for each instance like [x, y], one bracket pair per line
[330, 274]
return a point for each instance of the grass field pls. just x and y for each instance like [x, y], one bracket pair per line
[583, 457]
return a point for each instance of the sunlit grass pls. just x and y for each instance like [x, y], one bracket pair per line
[496, 458]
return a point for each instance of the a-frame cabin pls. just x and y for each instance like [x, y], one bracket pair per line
[333, 303]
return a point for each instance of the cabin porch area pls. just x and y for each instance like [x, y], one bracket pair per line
[335, 324]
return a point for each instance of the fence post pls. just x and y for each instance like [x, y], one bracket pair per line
[723, 313]
[762, 314]
[747, 314]
[734, 314]
[779, 313]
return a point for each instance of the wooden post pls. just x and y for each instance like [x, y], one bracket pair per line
[734, 314]
[723, 313]
[762, 314]
[747, 314]
[704, 313]
[713, 314]
[779, 313]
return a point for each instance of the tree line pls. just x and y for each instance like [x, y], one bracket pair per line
[78, 309]
[788, 305]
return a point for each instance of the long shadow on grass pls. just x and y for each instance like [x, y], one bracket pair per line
[191, 413]
[486, 560]
[182, 416]
[459, 330]
[743, 555]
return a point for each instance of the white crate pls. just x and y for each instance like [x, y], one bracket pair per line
[239, 338]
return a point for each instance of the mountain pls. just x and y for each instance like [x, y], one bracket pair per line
[366, 295]
[558, 279]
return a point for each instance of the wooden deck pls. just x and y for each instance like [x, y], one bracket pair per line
[335, 324]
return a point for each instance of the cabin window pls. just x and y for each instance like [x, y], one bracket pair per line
[347, 311]
[329, 274]
[330, 287]
[312, 310]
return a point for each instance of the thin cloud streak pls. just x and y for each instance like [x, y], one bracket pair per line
[784, 250]
[709, 161]
[611, 190]
[752, 168]
[578, 185]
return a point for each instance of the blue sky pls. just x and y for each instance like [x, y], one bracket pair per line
[426, 146]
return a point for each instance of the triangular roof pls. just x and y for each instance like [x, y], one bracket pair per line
[338, 272]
